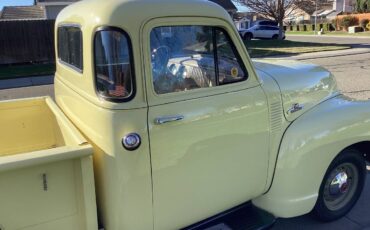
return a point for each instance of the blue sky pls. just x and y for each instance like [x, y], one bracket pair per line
[15, 3]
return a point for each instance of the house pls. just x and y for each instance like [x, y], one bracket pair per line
[297, 16]
[53, 7]
[242, 15]
[332, 8]
[22, 12]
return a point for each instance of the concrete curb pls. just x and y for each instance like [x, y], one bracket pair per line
[26, 82]
[326, 54]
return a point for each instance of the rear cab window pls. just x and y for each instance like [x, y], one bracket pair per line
[192, 57]
[114, 69]
[70, 51]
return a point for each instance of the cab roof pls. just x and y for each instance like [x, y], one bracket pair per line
[136, 12]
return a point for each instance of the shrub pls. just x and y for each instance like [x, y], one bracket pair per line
[348, 21]
[368, 26]
[364, 22]
[309, 27]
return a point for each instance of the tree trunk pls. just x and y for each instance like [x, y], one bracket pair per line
[281, 29]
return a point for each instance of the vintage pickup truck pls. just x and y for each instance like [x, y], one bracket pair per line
[162, 121]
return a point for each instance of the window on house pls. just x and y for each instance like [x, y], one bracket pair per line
[113, 64]
[192, 57]
[70, 46]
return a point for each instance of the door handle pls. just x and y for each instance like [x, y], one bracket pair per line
[167, 119]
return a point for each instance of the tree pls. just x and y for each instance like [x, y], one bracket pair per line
[278, 10]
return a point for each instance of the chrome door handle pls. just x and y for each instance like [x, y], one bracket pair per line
[166, 119]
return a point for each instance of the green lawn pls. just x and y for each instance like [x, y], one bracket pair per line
[15, 71]
[265, 48]
[334, 33]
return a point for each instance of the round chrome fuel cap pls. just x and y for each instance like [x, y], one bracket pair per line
[131, 141]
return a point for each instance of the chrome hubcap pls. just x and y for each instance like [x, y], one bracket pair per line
[340, 186]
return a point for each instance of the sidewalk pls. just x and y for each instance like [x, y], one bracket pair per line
[26, 82]
[327, 36]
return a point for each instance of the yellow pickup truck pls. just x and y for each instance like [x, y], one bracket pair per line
[162, 121]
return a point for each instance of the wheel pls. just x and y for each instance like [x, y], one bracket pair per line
[275, 37]
[342, 185]
[248, 36]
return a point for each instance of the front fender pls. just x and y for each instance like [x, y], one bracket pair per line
[308, 147]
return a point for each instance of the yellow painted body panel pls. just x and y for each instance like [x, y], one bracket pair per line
[308, 147]
[46, 175]
[208, 162]
[123, 178]
[303, 83]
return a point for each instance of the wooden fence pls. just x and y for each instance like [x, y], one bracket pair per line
[27, 41]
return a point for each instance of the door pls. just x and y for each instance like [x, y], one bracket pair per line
[258, 32]
[208, 125]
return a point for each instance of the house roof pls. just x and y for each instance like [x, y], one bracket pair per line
[22, 12]
[226, 4]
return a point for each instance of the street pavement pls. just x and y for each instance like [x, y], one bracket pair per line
[352, 71]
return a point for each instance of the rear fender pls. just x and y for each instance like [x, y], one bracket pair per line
[308, 147]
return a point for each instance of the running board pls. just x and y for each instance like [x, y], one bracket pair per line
[243, 217]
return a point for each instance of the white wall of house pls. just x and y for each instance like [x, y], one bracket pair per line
[242, 24]
[343, 5]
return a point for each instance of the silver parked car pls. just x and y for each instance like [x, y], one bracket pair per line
[260, 31]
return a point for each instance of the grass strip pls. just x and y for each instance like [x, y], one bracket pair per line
[266, 48]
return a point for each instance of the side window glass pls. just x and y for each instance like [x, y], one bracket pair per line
[230, 67]
[70, 46]
[182, 58]
[192, 57]
[113, 64]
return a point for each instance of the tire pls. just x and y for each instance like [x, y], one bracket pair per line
[275, 37]
[342, 186]
[248, 36]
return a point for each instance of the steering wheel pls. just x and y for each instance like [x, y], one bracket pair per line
[160, 57]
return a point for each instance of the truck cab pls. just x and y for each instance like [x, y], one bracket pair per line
[185, 126]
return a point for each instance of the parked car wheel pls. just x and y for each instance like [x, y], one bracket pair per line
[248, 36]
[342, 185]
[275, 37]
